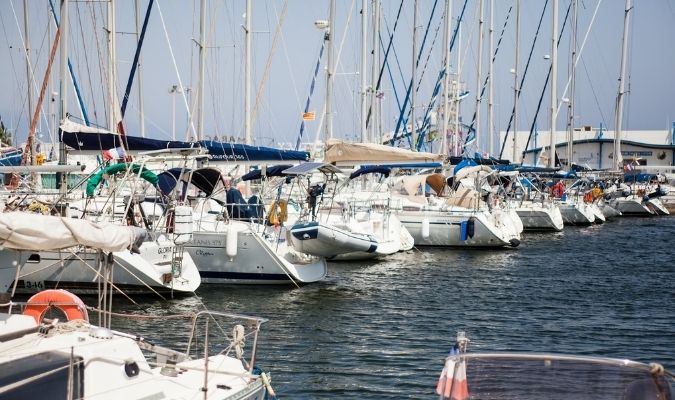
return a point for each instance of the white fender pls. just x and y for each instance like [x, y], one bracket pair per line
[231, 241]
[425, 228]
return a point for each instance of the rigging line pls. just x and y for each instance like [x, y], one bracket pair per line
[337, 64]
[311, 91]
[78, 94]
[134, 65]
[86, 58]
[548, 77]
[384, 61]
[32, 83]
[403, 82]
[99, 52]
[14, 69]
[419, 83]
[595, 95]
[442, 72]
[417, 62]
[522, 78]
[268, 64]
[391, 77]
[488, 77]
[175, 66]
[581, 50]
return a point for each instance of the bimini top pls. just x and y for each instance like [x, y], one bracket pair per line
[204, 179]
[274, 170]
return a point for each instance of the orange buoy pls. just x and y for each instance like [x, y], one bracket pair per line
[71, 305]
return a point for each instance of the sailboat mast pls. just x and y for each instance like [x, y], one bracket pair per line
[329, 72]
[491, 70]
[456, 135]
[111, 66]
[516, 88]
[573, 73]
[362, 70]
[554, 80]
[479, 71]
[29, 76]
[413, 130]
[63, 88]
[446, 77]
[202, 67]
[618, 159]
[374, 100]
[247, 75]
[141, 110]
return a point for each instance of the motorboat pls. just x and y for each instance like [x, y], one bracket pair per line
[516, 375]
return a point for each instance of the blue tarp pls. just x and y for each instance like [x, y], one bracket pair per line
[374, 169]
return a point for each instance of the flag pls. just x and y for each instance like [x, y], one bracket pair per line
[627, 167]
[308, 116]
[117, 153]
[452, 384]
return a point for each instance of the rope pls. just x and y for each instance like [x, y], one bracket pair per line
[141, 317]
[238, 340]
[268, 64]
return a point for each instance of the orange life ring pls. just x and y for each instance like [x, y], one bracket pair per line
[71, 305]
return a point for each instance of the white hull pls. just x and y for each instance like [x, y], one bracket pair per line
[255, 260]
[577, 214]
[148, 272]
[631, 205]
[537, 217]
[445, 228]
[608, 211]
[597, 213]
[657, 207]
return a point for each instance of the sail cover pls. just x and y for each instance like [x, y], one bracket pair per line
[338, 151]
[82, 138]
[35, 232]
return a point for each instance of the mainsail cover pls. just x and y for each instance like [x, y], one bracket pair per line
[82, 138]
[339, 151]
[36, 232]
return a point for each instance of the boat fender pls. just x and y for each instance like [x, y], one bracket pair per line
[588, 197]
[71, 305]
[131, 369]
[425, 228]
[182, 224]
[278, 213]
[470, 228]
[231, 241]
[462, 230]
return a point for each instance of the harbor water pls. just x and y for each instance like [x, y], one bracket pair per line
[381, 330]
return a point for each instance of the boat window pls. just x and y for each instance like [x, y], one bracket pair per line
[35, 257]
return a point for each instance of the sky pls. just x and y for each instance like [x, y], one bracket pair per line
[174, 29]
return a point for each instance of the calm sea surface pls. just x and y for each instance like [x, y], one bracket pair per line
[381, 330]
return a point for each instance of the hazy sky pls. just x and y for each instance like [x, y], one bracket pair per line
[651, 67]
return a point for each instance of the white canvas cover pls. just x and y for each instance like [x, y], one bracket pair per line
[27, 231]
[373, 153]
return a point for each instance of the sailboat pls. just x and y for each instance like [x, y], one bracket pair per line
[73, 357]
[231, 240]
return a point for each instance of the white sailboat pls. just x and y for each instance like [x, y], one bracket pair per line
[76, 358]
[231, 241]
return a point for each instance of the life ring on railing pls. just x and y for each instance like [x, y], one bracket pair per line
[278, 212]
[71, 305]
[588, 197]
